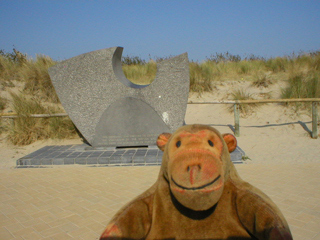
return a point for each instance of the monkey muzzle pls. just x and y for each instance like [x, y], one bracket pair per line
[196, 180]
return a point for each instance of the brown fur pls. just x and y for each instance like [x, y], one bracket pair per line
[198, 195]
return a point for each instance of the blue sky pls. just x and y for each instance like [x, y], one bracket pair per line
[64, 29]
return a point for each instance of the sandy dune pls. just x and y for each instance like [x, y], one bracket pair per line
[270, 134]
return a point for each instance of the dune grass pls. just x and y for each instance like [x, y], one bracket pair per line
[303, 86]
[303, 77]
[201, 77]
[7, 72]
[261, 79]
[242, 94]
[26, 129]
[141, 74]
[301, 72]
[3, 103]
[33, 73]
[37, 80]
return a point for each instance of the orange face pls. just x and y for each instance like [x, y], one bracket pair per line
[195, 168]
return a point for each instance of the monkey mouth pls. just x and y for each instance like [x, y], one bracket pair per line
[196, 188]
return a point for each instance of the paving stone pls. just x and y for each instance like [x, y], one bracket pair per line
[127, 157]
[35, 161]
[68, 161]
[151, 159]
[92, 160]
[80, 160]
[58, 161]
[78, 154]
[107, 154]
[24, 162]
[96, 154]
[103, 160]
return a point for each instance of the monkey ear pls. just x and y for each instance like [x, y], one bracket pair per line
[162, 140]
[231, 141]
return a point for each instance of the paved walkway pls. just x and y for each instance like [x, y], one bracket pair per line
[76, 202]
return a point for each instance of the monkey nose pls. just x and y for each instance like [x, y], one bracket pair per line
[193, 171]
[196, 167]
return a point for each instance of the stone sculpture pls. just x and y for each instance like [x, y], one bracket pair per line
[111, 111]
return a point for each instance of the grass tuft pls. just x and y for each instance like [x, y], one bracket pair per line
[241, 94]
[37, 79]
[27, 130]
[201, 77]
[261, 80]
[303, 86]
[141, 74]
[8, 71]
[3, 103]
[277, 65]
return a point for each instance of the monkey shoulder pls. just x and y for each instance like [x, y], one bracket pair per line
[250, 198]
[140, 207]
[258, 213]
[133, 220]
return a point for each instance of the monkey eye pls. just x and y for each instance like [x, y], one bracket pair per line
[210, 143]
[178, 144]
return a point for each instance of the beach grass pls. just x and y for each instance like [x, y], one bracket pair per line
[26, 129]
[141, 74]
[300, 71]
[242, 94]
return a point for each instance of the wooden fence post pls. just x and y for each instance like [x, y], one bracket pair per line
[314, 120]
[236, 120]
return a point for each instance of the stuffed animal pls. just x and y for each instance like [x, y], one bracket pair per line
[198, 195]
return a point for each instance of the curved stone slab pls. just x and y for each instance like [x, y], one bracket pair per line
[88, 84]
[115, 127]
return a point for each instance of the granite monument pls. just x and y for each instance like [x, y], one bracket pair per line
[111, 111]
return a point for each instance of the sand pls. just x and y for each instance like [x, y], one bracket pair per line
[270, 134]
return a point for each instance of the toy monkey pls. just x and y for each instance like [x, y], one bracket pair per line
[198, 195]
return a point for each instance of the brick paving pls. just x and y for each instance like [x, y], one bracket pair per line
[76, 202]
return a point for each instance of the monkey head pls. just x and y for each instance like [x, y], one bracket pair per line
[196, 164]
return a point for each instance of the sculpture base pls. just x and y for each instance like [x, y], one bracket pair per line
[109, 156]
